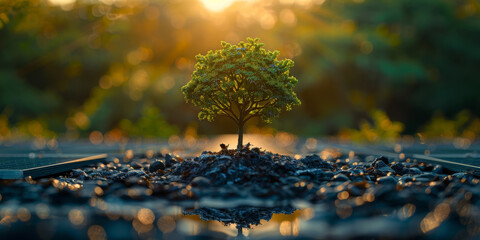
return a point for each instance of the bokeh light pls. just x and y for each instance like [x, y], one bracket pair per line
[86, 66]
[217, 5]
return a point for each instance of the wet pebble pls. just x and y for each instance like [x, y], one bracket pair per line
[383, 159]
[398, 168]
[406, 179]
[438, 169]
[381, 166]
[413, 171]
[200, 182]
[387, 180]
[314, 161]
[156, 165]
[225, 158]
[136, 165]
[428, 176]
[459, 175]
[340, 177]
[169, 160]
[78, 173]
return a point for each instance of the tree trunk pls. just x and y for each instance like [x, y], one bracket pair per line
[240, 233]
[240, 137]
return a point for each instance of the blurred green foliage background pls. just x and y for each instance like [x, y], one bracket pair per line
[367, 69]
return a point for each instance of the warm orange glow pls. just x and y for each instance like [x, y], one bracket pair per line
[62, 2]
[217, 5]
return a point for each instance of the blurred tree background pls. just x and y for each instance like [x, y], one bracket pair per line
[73, 68]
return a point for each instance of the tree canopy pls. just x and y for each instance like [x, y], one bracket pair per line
[241, 82]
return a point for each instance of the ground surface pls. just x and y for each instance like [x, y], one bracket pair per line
[330, 195]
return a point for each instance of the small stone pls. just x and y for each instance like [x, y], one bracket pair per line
[421, 179]
[309, 173]
[340, 178]
[459, 175]
[155, 166]
[314, 161]
[398, 168]
[205, 157]
[256, 150]
[438, 169]
[200, 182]
[382, 166]
[290, 180]
[169, 160]
[383, 159]
[78, 173]
[413, 171]
[387, 180]
[429, 176]
[136, 165]
[225, 158]
[224, 147]
[328, 175]
[316, 171]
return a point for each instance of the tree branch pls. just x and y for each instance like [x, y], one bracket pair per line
[225, 107]
[256, 106]
[227, 113]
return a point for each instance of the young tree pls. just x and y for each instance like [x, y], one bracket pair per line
[241, 82]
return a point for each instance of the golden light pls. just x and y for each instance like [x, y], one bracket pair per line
[66, 5]
[217, 5]
[76, 217]
[23, 214]
[62, 2]
[146, 216]
[166, 224]
[96, 232]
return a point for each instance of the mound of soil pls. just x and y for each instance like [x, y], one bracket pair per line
[248, 166]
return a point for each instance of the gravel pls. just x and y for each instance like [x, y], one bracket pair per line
[415, 198]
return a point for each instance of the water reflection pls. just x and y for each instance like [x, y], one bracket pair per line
[244, 217]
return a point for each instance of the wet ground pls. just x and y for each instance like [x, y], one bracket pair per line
[340, 192]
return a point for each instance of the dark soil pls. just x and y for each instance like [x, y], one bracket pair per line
[415, 198]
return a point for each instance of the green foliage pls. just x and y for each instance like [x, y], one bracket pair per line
[463, 124]
[379, 129]
[150, 125]
[29, 129]
[104, 62]
[411, 57]
[240, 82]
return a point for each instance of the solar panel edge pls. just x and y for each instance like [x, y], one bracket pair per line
[9, 174]
[50, 169]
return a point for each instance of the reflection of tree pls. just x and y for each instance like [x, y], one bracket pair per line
[243, 217]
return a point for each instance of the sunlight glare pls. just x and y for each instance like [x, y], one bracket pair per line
[217, 5]
[61, 2]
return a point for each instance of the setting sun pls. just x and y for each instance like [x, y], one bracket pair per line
[61, 2]
[217, 5]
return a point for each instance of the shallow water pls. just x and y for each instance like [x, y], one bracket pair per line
[162, 221]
